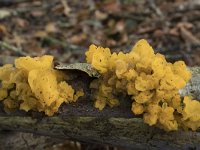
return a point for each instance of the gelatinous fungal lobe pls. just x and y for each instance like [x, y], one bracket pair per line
[33, 84]
[152, 83]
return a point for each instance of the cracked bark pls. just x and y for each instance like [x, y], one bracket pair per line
[117, 126]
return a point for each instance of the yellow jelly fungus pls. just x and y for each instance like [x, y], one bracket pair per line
[33, 84]
[143, 97]
[167, 120]
[137, 108]
[3, 94]
[30, 103]
[100, 104]
[191, 111]
[6, 71]
[43, 83]
[151, 114]
[98, 57]
[10, 105]
[152, 83]
[78, 94]
[28, 63]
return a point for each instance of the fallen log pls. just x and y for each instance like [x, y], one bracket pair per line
[113, 126]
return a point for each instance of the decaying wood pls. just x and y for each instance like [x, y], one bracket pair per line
[11, 140]
[116, 126]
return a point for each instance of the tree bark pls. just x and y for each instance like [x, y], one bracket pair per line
[113, 126]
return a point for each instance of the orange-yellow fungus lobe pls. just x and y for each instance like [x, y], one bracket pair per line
[35, 85]
[151, 81]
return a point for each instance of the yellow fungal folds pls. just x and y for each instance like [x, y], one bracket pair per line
[137, 108]
[28, 63]
[98, 57]
[33, 84]
[191, 111]
[152, 83]
[100, 104]
[3, 94]
[167, 119]
[43, 84]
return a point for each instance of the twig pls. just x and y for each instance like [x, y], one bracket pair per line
[188, 36]
[12, 48]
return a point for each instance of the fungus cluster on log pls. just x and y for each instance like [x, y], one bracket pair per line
[33, 84]
[150, 81]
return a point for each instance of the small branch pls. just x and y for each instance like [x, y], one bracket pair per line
[12, 48]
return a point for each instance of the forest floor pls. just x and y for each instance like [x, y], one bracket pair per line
[65, 29]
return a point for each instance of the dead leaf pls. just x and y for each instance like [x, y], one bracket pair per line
[158, 33]
[143, 30]
[4, 13]
[100, 15]
[3, 29]
[87, 68]
[120, 26]
[67, 9]
[111, 42]
[197, 57]
[17, 40]
[40, 34]
[174, 31]
[188, 36]
[37, 3]
[112, 6]
[186, 25]
[51, 28]
[33, 48]
[124, 39]
[57, 8]
[21, 22]
[77, 39]
[37, 13]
